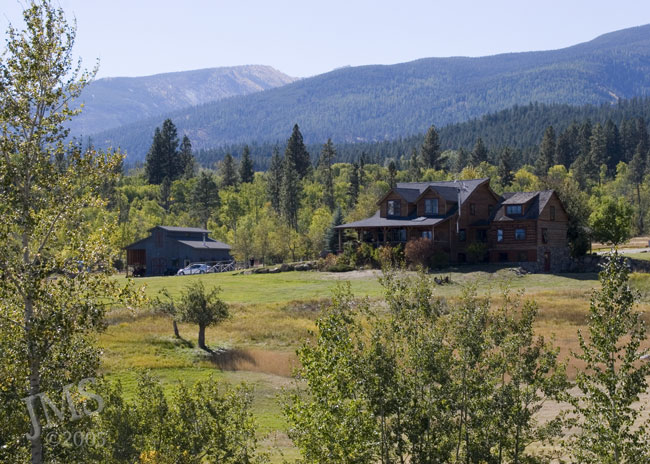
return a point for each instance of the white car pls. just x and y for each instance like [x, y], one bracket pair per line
[193, 269]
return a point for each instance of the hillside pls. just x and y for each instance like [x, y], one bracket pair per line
[115, 101]
[386, 102]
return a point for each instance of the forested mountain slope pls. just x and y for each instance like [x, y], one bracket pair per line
[386, 102]
[115, 101]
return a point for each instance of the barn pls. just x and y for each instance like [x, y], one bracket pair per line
[168, 248]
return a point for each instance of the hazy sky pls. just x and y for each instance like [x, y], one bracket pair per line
[304, 37]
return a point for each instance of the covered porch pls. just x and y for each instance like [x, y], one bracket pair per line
[382, 231]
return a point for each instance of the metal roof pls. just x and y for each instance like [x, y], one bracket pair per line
[208, 244]
[181, 229]
[377, 221]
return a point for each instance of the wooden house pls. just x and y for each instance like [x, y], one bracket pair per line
[524, 227]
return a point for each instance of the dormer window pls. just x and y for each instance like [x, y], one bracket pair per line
[513, 210]
[431, 206]
[394, 208]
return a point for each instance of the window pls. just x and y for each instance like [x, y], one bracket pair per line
[427, 234]
[472, 209]
[394, 207]
[481, 235]
[552, 213]
[544, 235]
[462, 235]
[490, 209]
[513, 209]
[520, 234]
[431, 206]
[499, 235]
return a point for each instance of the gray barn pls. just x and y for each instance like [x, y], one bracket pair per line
[169, 248]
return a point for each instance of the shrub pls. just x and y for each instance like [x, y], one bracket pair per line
[340, 267]
[476, 252]
[419, 252]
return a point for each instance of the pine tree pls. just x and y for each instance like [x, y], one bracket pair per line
[165, 194]
[479, 153]
[353, 189]
[205, 198]
[392, 174]
[290, 193]
[431, 149]
[463, 159]
[614, 147]
[327, 156]
[297, 153]
[567, 148]
[154, 164]
[506, 161]
[228, 172]
[246, 172]
[332, 238]
[274, 180]
[546, 152]
[598, 155]
[187, 162]
[636, 173]
[362, 164]
[163, 159]
[414, 166]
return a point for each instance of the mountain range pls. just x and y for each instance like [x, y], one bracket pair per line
[115, 101]
[384, 102]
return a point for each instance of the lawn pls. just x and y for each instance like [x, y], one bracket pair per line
[272, 314]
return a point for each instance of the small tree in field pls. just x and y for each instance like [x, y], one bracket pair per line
[611, 221]
[168, 306]
[613, 378]
[201, 307]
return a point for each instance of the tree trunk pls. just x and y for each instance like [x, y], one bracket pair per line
[176, 332]
[202, 337]
[36, 443]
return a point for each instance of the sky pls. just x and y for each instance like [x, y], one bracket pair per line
[305, 37]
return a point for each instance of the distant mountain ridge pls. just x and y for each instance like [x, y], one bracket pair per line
[115, 101]
[385, 102]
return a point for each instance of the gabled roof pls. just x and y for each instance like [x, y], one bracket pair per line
[378, 221]
[181, 229]
[537, 199]
[208, 244]
[447, 189]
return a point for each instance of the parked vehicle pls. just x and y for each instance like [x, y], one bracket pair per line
[193, 269]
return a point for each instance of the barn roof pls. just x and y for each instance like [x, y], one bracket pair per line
[208, 244]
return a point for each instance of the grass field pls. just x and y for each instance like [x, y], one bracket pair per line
[272, 315]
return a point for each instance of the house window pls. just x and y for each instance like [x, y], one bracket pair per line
[544, 235]
[520, 234]
[513, 210]
[462, 235]
[427, 234]
[490, 209]
[394, 207]
[431, 206]
[499, 235]
[481, 235]
[552, 213]
[402, 235]
[472, 209]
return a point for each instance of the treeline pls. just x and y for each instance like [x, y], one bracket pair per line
[520, 127]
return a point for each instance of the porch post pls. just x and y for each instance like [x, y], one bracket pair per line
[385, 234]
[340, 241]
